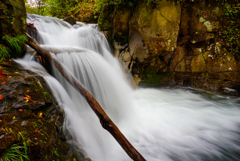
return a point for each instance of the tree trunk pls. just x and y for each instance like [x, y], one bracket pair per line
[106, 122]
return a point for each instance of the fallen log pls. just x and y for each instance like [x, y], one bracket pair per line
[106, 122]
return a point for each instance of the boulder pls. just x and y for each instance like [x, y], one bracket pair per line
[70, 20]
[12, 17]
[158, 24]
[30, 116]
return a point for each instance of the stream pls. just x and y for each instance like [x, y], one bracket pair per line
[163, 124]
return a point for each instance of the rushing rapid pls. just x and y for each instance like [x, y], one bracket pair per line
[165, 124]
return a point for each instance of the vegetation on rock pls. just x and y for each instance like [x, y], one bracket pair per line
[12, 29]
[29, 117]
[198, 48]
[11, 46]
[230, 32]
[15, 153]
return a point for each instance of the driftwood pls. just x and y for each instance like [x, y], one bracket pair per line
[106, 122]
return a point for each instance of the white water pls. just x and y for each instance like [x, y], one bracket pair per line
[163, 124]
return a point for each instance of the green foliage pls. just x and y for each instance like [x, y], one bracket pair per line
[15, 153]
[151, 1]
[15, 43]
[231, 31]
[62, 8]
[204, 57]
[129, 3]
[180, 1]
[40, 7]
[45, 94]
[4, 53]
[151, 77]
[11, 46]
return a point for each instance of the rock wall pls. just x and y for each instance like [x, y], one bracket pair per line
[168, 43]
[12, 18]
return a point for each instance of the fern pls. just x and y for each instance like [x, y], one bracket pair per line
[15, 153]
[15, 44]
[4, 53]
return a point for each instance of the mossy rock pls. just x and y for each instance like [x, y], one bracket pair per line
[105, 19]
[13, 21]
[30, 116]
[152, 78]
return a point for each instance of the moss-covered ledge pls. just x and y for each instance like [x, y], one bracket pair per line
[30, 116]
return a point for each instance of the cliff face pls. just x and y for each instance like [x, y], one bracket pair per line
[29, 115]
[12, 17]
[12, 28]
[188, 44]
[13, 21]
[30, 118]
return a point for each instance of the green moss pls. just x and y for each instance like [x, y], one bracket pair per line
[204, 57]
[151, 77]
[45, 94]
[4, 53]
[11, 46]
[105, 18]
[230, 32]
[35, 125]
[36, 90]
[15, 44]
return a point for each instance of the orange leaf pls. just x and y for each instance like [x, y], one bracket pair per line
[4, 82]
[0, 121]
[1, 97]
[36, 130]
[40, 115]
[0, 88]
[28, 96]
[20, 110]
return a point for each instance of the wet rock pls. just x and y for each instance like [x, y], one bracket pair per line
[198, 64]
[70, 20]
[29, 114]
[158, 28]
[24, 91]
[32, 31]
[12, 17]
[105, 19]
[121, 25]
[6, 140]
[175, 44]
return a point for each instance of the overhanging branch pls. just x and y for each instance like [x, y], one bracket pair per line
[106, 122]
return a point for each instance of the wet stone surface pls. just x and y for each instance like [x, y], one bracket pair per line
[29, 114]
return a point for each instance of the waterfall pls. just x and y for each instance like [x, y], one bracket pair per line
[167, 124]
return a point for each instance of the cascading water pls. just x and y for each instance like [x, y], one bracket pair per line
[163, 124]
